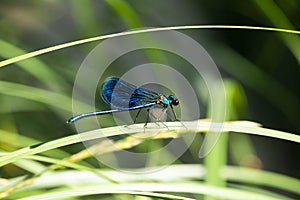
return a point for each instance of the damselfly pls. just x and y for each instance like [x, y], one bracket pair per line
[123, 96]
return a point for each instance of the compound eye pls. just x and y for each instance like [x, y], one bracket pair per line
[175, 102]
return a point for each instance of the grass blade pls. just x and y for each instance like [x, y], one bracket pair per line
[174, 130]
[78, 42]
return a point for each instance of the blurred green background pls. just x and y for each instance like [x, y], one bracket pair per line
[261, 68]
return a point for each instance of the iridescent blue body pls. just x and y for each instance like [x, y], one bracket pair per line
[124, 96]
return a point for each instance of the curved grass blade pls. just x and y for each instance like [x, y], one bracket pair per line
[241, 175]
[174, 129]
[36, 94]
[78, 42]
[35, 67]
[277, 17]
[148, 188]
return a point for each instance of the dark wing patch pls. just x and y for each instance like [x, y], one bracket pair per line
[125, 96]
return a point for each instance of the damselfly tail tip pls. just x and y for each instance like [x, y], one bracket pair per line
[69, 121]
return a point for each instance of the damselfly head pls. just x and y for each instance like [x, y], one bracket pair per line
[174, 101]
